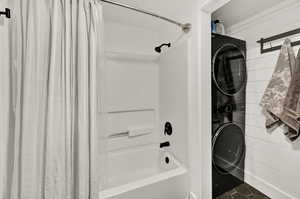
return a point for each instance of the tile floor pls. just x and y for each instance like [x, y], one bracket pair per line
[244, 191]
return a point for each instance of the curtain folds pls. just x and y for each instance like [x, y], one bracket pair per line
[52, 152]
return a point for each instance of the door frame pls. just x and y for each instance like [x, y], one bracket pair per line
[205, 10]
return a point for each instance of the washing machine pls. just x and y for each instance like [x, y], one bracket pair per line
[229, 78]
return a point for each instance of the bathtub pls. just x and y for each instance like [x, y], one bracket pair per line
[148, 173]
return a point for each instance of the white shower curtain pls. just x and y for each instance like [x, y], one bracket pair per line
[52, 147]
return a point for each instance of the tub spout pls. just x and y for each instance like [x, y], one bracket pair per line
[165, 144]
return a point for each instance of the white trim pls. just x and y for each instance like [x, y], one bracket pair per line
[204, 96]
[210, 6]
[263, 16]
[269, 189]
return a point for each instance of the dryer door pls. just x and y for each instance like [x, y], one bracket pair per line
[229, 69]
[228, 148]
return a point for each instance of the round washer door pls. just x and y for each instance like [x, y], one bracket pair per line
[228, 147]
[229, 69]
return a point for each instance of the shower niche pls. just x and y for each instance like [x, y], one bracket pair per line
[140, 90]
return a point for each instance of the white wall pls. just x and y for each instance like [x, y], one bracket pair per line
[128, 99]
[272, 162]
[122, 37]
[198, 74]
[173, 97]
[135, 82]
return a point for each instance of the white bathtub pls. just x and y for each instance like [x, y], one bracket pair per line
[131, 177]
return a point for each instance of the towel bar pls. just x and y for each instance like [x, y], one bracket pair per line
[262, 41]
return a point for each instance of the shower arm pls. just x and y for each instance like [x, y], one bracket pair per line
[184, 27]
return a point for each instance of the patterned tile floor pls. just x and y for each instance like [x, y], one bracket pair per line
[244, 191]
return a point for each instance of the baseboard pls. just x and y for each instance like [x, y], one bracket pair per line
[265, 187]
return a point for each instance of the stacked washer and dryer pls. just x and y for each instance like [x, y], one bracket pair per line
[229, 77]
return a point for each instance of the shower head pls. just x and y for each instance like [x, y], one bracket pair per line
[158, 48]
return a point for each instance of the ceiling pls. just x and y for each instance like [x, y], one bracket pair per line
[180, 10]
[239, 10]
[174, 9]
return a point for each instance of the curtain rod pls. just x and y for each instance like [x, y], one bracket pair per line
[185, 27]
[6, 13]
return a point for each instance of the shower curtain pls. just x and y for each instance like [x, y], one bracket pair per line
[52, 141]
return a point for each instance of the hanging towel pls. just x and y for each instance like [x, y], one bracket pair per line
[275, 94]
[291, 110]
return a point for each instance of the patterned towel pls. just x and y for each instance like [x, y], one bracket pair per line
[291, 109]
[276, 92]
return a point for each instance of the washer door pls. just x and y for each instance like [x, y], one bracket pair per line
[228, 147]
[229, 69]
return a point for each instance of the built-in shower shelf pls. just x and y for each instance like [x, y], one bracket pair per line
[131, 56]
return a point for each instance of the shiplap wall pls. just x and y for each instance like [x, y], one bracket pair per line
[272, 162]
